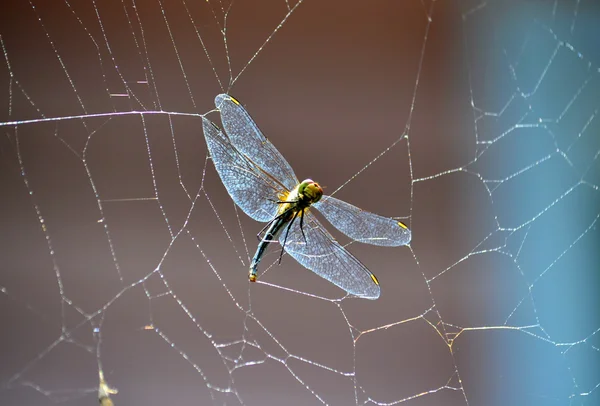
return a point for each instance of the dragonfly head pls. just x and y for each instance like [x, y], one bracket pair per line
[310, 190]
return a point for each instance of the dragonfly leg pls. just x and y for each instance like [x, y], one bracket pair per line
[302, 226]
[287, 231]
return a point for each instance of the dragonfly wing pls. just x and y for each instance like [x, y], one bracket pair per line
[327, 258]
[361, 225]
[253, 191]
[248, 139]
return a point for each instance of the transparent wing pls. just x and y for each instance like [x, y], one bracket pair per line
[327, 258]
[247, 138]
[361, 225]
[252, 190]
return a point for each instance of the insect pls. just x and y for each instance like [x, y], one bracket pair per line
[263, 184]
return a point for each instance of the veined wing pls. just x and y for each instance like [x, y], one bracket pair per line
[327, 258]
[252, 190]
[361, 225]
[247, 138]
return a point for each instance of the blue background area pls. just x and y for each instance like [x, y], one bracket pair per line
[553, 51]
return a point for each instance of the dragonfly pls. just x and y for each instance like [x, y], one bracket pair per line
[264, 186]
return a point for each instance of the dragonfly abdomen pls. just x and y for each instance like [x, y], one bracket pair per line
[272, 232]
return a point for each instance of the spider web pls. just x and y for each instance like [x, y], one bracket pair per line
[125, 262]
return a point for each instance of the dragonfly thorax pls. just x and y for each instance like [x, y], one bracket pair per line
[302, 196]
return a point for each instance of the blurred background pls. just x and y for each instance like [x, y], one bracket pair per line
[474, 122]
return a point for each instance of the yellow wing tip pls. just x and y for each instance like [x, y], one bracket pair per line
[404, 226]
[374, 278]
